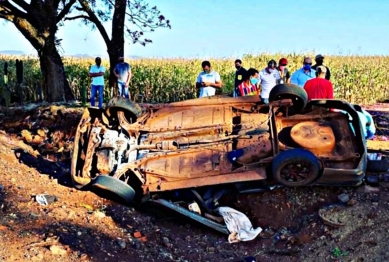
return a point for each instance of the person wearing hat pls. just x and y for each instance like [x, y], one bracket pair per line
[302, 75]
[283, 71]
[268, 78]
[319, 87]
[96, 72]
[319, 62]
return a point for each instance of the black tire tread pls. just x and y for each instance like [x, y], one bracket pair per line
[282, 91]
[115, 186]
[295, 155]
[125, 104]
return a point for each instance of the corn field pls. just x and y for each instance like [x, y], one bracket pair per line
[357, 79]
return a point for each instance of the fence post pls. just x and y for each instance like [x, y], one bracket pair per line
[38, 92]
[83, 95]
[19, 78]
[5, 92]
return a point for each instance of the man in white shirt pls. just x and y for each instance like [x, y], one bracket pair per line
[96, 72]
[268, 78]
[208, 80]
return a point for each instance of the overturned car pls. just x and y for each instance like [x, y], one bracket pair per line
[142, 152]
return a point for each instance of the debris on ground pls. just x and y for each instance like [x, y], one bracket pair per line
[45, 199]
[344, 198]
[331, 215]
[238, 225]
[35, 148]
[367, 189]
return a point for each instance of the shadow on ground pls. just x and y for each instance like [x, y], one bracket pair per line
[55, 170]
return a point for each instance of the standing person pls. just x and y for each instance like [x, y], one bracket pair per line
[239, 74]
[302, 75]
[123, 74]
[208, 80]
[248, 87]
[96, 72]
[283, 71]
[268, 78]
[319, 87]
[319, 59]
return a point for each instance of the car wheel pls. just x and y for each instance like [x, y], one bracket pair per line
[290, 91]
[295, 167]
[132, 110]
[115, 186]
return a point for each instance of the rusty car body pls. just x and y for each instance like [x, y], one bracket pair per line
[140, 150]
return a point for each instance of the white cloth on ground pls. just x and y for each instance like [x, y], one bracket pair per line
[238, 225]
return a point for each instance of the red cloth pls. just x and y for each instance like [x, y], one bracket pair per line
[319, 88]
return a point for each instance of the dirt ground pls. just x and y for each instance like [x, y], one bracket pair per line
[35, 144]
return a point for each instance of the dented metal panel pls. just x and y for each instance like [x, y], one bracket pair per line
[250, 175]
[185, 118]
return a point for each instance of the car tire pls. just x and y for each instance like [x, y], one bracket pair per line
[296, 167]
[290, 91]
[131, 110]
[115, 186]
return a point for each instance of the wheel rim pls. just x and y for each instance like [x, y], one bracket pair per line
[296, 172]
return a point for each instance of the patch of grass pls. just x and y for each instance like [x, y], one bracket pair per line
[337, 252]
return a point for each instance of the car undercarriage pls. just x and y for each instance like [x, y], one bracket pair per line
[149, 151]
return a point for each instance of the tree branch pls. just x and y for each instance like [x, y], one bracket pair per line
[93, 18]
[146, 19]
[13, 10]
[22, 4]
[69, 18]
[140, 28]
[56, 2]
[5, 15]
[112, 3]
[65, 10]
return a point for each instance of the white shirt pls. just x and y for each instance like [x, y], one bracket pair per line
[268, 81]
[211, 77]
[97, 80]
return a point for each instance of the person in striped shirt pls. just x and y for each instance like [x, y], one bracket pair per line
[249, 85]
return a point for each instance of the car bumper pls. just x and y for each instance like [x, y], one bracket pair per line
[344, 177]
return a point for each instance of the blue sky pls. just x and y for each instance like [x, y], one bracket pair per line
[224, 28]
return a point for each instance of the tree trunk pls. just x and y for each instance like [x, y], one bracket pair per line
[113, 60]
[55, 85]
[116, 46]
